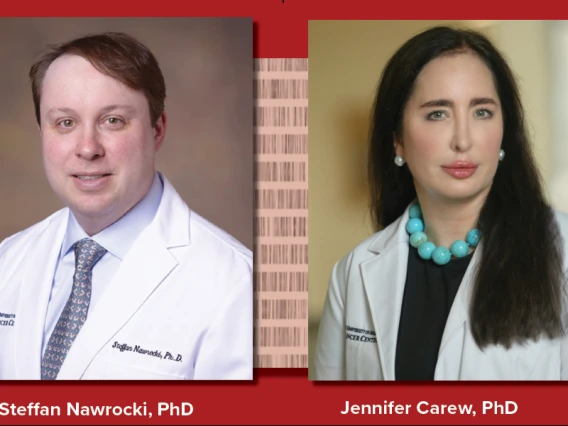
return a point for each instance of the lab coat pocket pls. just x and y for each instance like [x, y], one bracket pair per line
[110, 370]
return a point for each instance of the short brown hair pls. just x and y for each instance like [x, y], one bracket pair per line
[116, 55]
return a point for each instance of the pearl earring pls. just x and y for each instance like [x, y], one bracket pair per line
[501, 155]
[399, 161]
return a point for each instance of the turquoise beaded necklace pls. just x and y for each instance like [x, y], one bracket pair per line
[428, 250]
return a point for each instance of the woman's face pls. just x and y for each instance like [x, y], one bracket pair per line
[452, 129]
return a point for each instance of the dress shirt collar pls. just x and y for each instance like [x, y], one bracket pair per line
[119, 237]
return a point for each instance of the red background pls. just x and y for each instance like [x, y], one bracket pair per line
[281, 26]
[285, 396]
[280, 396]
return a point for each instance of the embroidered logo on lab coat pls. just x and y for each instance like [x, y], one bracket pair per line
[360, 334]
[7, 320]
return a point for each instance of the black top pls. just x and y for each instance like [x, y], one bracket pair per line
[429, 292]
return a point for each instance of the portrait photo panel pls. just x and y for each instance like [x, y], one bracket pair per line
[370, 157]
[127, 173]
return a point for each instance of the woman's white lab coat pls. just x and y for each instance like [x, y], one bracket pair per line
[359, 327]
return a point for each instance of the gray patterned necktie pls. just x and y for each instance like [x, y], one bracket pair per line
[87, 253]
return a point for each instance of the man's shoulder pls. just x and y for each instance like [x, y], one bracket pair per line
[211, 235]
[210, 240]
[17, 242]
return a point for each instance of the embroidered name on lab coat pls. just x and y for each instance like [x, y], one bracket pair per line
[124, 347]
[6, 320]
[360, 335]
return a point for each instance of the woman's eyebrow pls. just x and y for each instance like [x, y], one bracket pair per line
[448, 103]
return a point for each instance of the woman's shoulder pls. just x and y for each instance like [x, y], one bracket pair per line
[562, 219]
[376, 244]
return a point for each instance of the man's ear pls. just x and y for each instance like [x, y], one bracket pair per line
[160, 130]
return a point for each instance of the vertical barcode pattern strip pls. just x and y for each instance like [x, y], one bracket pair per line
[281, 220]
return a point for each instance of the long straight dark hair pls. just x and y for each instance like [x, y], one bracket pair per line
[518, 285]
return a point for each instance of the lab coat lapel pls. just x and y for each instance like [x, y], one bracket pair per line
[148, 262]
[34, 297]
[384, 276]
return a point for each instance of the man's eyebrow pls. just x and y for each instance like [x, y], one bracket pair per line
[114, 107]
[106, 109]
[448, 103]
[64, 110]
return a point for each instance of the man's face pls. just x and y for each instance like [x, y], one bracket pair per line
[98, 143]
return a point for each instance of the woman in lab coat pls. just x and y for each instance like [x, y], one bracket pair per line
[466, 278]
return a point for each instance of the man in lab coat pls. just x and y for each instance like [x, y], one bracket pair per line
[126, 282]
